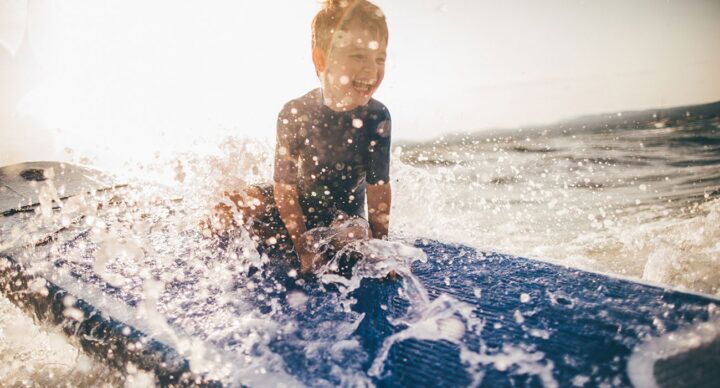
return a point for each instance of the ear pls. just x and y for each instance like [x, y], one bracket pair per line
[318, 57]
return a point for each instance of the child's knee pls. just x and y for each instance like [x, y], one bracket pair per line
[221, 219]
[358, 228]
[251, 202]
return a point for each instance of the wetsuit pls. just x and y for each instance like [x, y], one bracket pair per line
[330, 157]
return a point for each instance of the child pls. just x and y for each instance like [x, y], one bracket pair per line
[333, 143]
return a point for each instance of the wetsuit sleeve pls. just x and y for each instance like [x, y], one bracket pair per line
[286, 150]
[379, 152]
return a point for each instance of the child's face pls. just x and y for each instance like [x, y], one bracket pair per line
[355, 67]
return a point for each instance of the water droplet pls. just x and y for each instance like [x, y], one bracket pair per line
[357, 123]
[297, 300]
[519, 317]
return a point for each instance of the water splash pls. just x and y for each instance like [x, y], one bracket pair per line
[618, 209]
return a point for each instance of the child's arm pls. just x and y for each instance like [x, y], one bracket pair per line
[379, 195]
[379, 199]
[288, 204]
[285, 179]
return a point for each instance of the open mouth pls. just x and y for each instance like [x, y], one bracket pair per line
[363, 86]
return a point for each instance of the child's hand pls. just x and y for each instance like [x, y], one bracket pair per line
[307, 260]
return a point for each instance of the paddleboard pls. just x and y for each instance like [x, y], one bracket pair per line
[133, 285]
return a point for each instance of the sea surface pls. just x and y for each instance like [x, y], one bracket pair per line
[641, 203]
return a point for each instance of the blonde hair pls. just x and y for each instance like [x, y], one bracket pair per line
[336, 15]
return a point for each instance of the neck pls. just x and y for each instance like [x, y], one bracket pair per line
[335, 103]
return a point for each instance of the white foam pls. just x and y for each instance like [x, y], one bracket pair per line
[120, 256]
[41, 355]
[642, 360]
[540, 215]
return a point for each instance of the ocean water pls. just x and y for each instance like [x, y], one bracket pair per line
[641, 203]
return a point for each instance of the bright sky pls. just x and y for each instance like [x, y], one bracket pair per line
[158, 72]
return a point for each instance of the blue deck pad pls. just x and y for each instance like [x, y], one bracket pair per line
[239, 318]
[584, 325]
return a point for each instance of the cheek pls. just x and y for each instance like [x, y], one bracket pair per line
[380, 75]
[341, 76]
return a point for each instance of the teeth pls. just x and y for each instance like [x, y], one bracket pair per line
[363, 85]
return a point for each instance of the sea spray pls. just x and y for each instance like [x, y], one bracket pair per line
[617, 208]
[443, 318]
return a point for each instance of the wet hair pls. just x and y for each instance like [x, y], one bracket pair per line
[337, 15]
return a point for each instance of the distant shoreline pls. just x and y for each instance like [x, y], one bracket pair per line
[648, 118]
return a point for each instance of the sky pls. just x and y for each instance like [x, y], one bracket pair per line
[153, 74]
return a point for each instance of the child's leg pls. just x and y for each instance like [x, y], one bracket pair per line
[255, 206]
[254, 202]
[262, 219]
[249, 203]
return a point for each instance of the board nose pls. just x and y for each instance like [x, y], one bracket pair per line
[20, 183]
[33, 174]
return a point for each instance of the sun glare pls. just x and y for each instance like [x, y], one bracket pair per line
[124, 80]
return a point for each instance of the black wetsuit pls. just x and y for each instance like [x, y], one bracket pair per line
[330, 157]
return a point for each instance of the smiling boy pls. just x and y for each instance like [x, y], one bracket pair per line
[333, 143]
